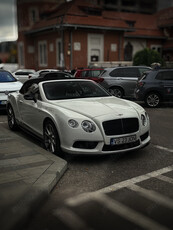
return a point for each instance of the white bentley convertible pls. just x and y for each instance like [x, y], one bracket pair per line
[78, 116]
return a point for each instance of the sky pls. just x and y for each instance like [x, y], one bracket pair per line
[8, 20]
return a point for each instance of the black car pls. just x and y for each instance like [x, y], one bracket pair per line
[155, 86]
[55, 75]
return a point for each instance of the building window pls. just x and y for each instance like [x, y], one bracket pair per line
[21, 54]
[33, 15]
[128, 3]
[42, 49]
[112, 2]
[59, 53]
[157, 48]
[128, 51]
[130, 23]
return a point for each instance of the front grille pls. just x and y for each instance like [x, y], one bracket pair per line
[121, 147]
[121, 126]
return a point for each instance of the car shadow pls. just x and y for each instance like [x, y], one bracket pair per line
[114, 157]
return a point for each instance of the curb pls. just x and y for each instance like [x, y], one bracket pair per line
[22, 191]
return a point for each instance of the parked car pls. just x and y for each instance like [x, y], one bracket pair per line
[121, 81]
[8, 84]
[22, 74]
[78, 116]
[39, 72]
[91, 74]
[155, 86]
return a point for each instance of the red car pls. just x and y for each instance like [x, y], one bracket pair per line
[91, 74]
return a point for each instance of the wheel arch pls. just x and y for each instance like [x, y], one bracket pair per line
[58, 150]
[13, 103]
[54, 123]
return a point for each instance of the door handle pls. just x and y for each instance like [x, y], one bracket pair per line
[20, 101]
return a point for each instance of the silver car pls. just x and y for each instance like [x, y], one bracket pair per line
[22, 74]
[121, 81]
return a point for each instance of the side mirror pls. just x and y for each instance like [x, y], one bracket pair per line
[30, 97]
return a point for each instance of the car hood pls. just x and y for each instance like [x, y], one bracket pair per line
[10, 86]
[99, 107]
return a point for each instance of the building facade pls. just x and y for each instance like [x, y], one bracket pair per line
[66, 35]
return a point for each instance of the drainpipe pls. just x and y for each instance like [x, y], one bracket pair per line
[62, 42]
[71, 49]
[119, 51]
[62, 51]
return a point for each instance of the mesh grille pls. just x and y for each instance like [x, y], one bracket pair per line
[121, 126]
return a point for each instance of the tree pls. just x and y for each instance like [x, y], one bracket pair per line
[147, 57]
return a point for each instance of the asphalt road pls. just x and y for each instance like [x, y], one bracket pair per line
[92, 173]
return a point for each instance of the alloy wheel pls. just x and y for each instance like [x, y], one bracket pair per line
[11, 118]
[117, 92]
[50, 138]
[153, 100]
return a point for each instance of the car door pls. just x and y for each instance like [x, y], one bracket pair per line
[164, 80]
[127, 79]
[168, 84]
[31, 114]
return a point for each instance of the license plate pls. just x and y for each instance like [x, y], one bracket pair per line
[3, 102]
[123, 140]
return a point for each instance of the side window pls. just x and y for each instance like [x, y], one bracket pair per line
[95, 73]
[160, 76]
[22, 73]
[18, 73]
[83, 74]
[131, 72]
[168, 75]
[117, 73]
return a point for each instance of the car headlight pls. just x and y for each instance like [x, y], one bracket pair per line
[88, 126]
[73, 123]
[144, 118]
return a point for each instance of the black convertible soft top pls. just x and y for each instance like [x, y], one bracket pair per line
[46, 77]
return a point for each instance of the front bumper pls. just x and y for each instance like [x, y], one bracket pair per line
[100, 147]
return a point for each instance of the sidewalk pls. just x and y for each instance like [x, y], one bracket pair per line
[27, 175]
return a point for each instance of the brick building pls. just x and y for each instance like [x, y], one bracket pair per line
[60, 34]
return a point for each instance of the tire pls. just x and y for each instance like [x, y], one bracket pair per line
[51, 138]
[11, 118]
[152, 100]
[116, 91]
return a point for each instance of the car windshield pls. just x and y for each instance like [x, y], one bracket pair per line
[6, 77]
[72, 89]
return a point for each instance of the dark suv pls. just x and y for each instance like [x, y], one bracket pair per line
[155, 86]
